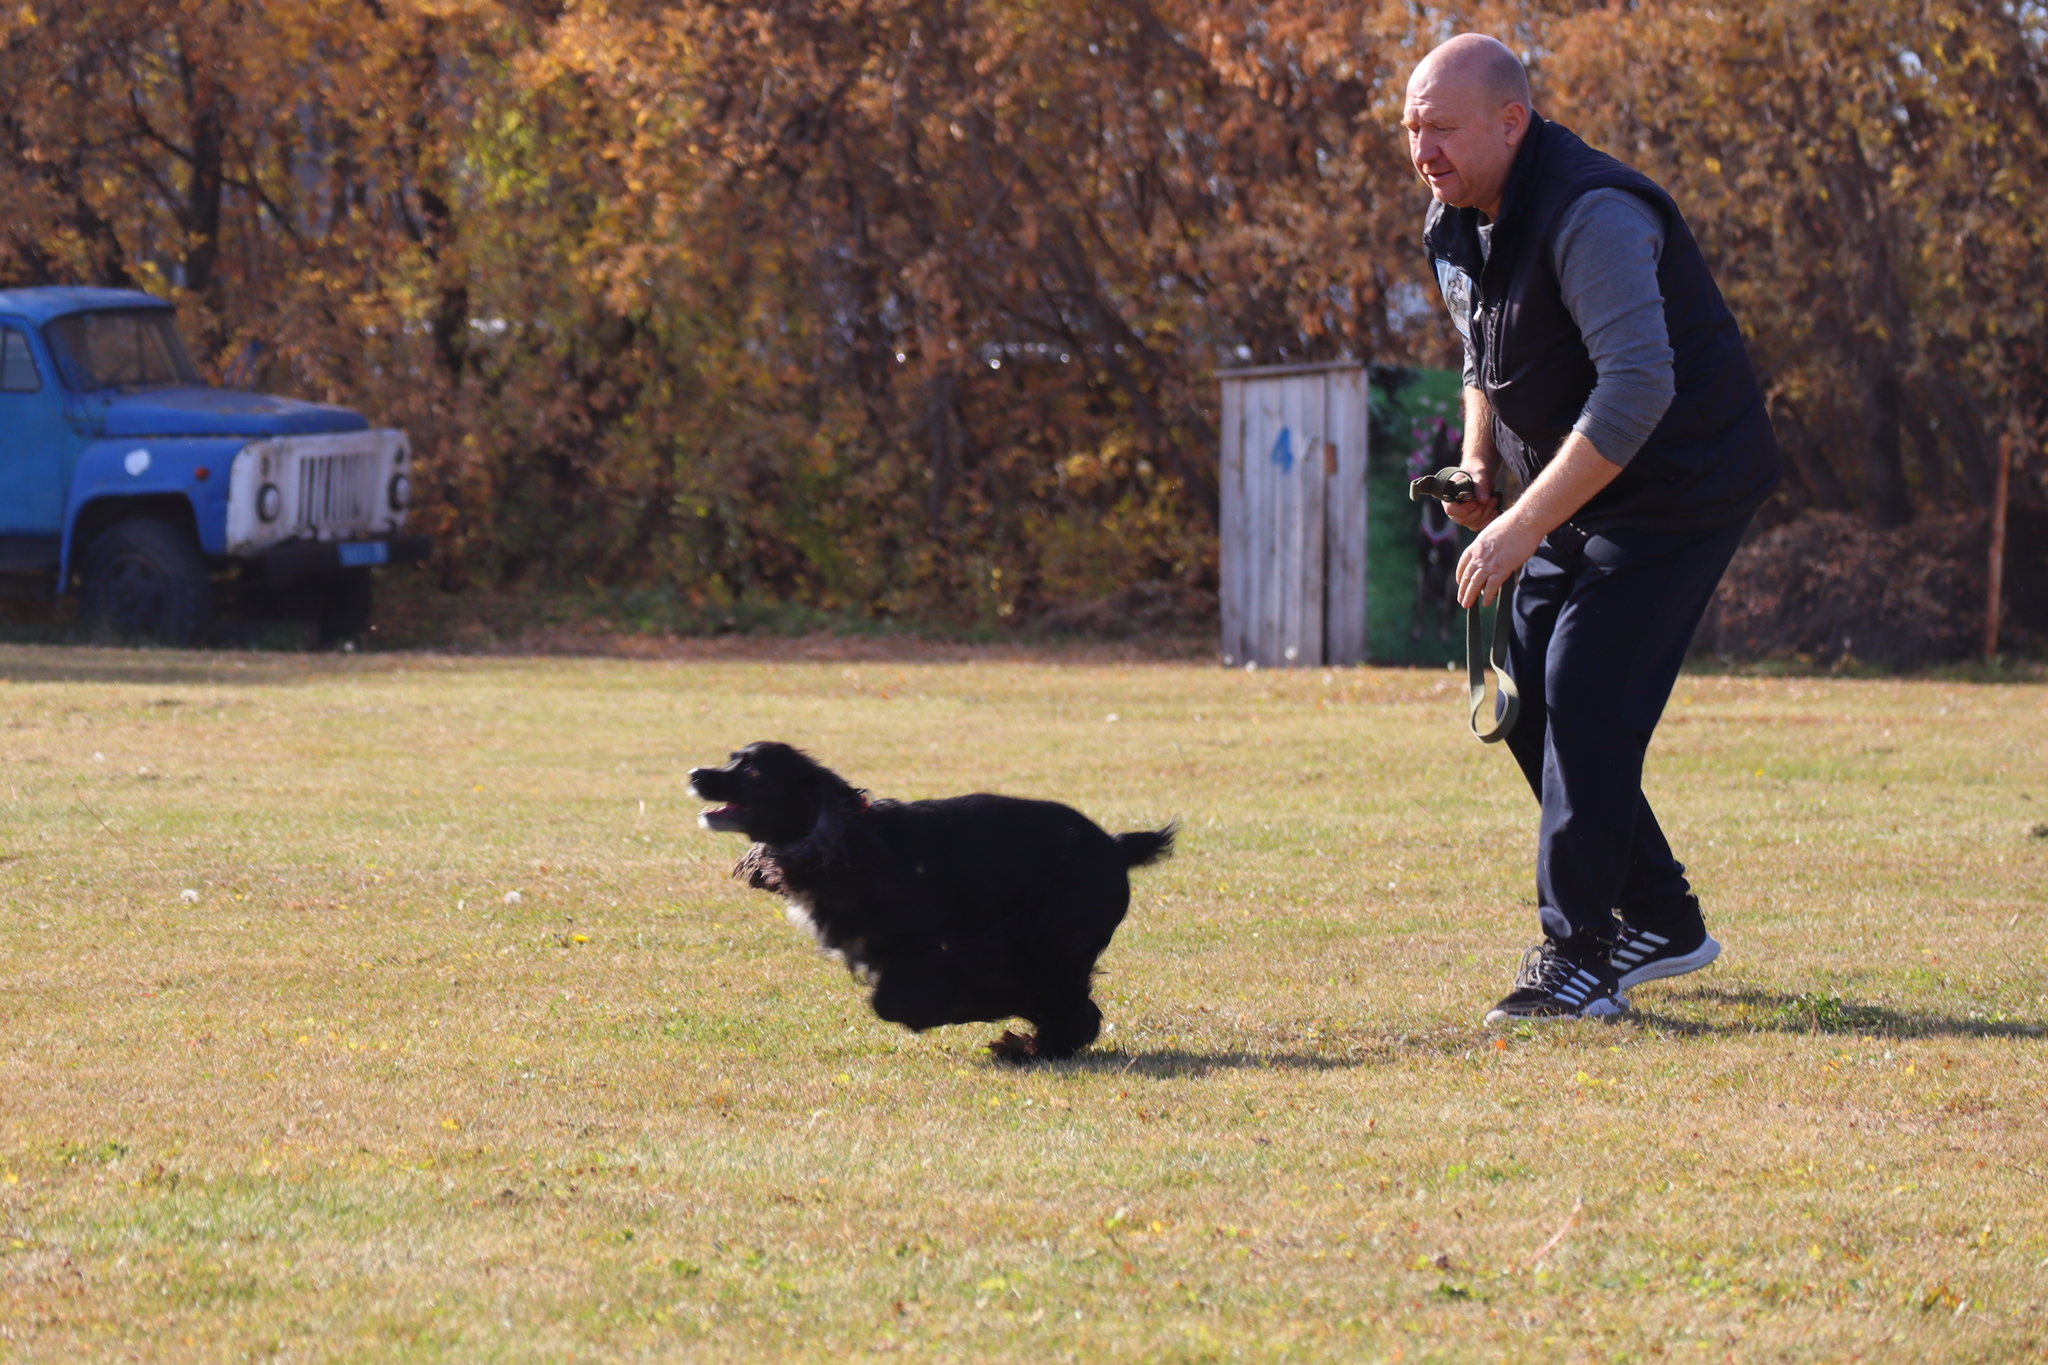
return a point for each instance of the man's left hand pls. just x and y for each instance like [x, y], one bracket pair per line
[1566, 484]
[1488, 562]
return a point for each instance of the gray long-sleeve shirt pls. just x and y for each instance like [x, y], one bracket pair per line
[1606, 255]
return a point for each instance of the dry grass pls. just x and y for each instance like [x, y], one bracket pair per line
[462, 1054]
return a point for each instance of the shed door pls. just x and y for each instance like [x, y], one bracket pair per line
[1293, 552]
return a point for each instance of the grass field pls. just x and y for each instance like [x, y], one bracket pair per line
[394, 1008]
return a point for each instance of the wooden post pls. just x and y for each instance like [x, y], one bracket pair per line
[2001, 493]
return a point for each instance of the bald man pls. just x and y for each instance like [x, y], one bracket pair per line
[1604, 370]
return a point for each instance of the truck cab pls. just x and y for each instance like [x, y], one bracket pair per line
[125, 478]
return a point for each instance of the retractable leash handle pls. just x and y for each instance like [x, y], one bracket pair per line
[1446, 485]
[1455, 485]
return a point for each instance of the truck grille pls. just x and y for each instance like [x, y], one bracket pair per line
[337, 491]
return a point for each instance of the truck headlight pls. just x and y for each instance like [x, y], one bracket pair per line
[269, 502]
[401, 492]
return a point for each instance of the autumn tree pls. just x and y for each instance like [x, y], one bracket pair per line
[912, 307]
[1866, 177]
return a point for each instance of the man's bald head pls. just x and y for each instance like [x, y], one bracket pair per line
[1476, 62]
[1466, 114]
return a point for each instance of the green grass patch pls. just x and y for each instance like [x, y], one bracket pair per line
[392, 1007]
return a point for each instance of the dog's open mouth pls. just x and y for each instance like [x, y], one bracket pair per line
[724, 819]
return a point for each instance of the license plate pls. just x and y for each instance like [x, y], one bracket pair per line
[363, 553]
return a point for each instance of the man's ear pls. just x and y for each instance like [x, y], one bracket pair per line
[1514, 118]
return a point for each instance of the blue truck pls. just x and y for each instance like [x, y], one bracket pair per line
[159, 499]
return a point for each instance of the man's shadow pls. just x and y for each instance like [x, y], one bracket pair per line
[1822, 1012]
[1763, 1011]
[1179, 1063]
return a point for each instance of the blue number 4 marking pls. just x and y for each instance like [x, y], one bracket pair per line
[1283, 451]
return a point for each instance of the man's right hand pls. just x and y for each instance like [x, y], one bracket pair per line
[1484, 507]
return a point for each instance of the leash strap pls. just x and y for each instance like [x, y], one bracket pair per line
[1455, 485]
[1478, 655]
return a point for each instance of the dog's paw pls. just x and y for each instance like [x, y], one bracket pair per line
[1014, 1049]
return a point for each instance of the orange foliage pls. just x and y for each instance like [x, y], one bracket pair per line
[912, 306]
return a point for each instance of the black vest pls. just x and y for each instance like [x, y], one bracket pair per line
[1713, 458]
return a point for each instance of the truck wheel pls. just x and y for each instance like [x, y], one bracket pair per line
[344, 601]
[145, 579]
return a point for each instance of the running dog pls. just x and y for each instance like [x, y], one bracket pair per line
[971, 909]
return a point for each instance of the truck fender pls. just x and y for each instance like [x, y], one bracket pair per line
[153, 473]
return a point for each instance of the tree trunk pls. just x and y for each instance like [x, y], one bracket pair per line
[943, 435]
[1962, 428]
[1884, 466]
[1808, 462]
[203, 184]
[199, 215]
[1927, 452]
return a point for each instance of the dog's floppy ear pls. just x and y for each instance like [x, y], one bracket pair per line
[820, 783]
[759, 870]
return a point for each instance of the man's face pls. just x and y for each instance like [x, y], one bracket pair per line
[1461, 140]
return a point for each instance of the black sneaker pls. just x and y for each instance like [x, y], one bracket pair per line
[1554, 985]
[1679, 944]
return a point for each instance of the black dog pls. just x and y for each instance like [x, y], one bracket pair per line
[970, 909]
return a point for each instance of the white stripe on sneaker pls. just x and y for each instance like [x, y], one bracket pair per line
[1658, 968]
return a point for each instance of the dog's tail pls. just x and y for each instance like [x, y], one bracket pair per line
[1147, 845]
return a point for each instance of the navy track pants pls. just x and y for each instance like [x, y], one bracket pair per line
[1601, 626]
